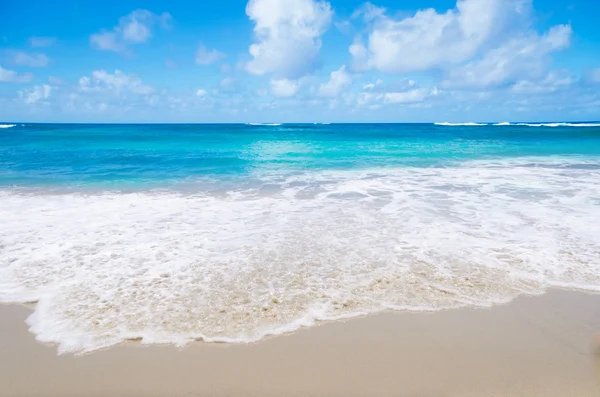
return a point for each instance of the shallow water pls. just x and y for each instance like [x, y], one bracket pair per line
[172, 233]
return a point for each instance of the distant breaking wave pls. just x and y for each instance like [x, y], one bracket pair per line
[264, 124]
[461, 124]
[560, 124]
[7, 125]
[507, 124]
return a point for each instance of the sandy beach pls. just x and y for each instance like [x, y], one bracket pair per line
[534, 346]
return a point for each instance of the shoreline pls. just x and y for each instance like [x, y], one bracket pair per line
[533, 346]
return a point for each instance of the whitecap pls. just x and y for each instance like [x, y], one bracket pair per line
[460, 124]
[264, 124]
[554, 125]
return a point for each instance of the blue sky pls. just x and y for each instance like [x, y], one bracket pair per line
[300, 61]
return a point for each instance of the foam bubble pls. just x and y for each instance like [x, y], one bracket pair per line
[173, 267]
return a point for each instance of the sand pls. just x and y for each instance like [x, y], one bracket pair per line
[534, 346]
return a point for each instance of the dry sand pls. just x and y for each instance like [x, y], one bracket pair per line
[534, 346]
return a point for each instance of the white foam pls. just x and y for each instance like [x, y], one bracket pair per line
[265, 124]
[554, 125]
[461, 124]
[172, 267]
[506, 123]
[7, 125]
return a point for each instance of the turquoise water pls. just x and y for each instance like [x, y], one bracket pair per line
[140, 156]
[229, 233]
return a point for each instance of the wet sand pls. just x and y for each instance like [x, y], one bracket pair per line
[534, 346]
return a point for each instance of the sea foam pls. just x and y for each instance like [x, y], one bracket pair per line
[559, 124]
[460, 124]
[173, 267]
[7, 125]
[506, 124]
[264, 124]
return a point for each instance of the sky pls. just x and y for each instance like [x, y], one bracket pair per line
[299, 61]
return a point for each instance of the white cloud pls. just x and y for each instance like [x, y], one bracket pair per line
[552, 83]
[31, 60]
[227, 82]
[134, 28]
[41, 41]
[10, 76]
[430, 39]
[370, 86]
[116, 83]
[201, 93]
[35, 94]
[339, 80]
[523, 57]
[412, 96]
[204, 56]
[402, 92]
[288, 34]
[284, 88]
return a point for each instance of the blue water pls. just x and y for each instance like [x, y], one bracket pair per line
[145, 156]
[175, 233]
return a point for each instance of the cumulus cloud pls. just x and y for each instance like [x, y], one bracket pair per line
[10, 76]
[412, 96]
[31, 60]
[430, 39]
[134, 28]
[371, 86]
[523, 57]
[339, 80]
[284, 88]
[37, 93]
[553, 82]
[41, 41]
[288, 36]
[204, 56]
[117, 83]
[402, 92]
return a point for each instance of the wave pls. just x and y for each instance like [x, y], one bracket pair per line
[552, 125]
[461, 124]
[172, 267]
[7, 125]
[507, 124]
[559, 124]
[265, 124]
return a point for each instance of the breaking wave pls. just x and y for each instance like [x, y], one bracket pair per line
[171, 267]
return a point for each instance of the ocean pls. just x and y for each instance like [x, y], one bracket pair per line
[228, 233]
